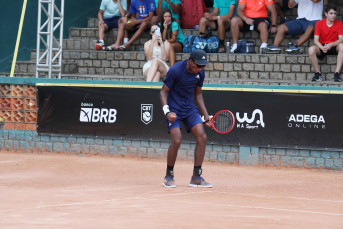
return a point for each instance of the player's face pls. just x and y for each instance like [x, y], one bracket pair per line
[195, 67]
[331, 15]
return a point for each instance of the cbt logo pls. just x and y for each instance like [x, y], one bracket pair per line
[146, 113]
[98, 115]
[251, 120]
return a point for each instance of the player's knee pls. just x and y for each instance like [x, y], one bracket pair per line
[202, 138]
[176, 142]
[312, 51]
[310, 28]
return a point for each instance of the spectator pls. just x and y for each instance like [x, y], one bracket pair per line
[145, 10]
[109, 15]
[171, 32]
[328, 40]
[157, 53]
[309, 12]
[224, 11]
[173, 5]
[253, 15]
[281, 5]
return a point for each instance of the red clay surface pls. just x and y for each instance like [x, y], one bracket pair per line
[67, 191]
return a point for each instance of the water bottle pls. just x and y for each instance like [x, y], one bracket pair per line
[227, 47]
[290, 44]
[252, 25]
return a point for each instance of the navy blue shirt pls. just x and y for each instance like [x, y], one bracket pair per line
[182, 84]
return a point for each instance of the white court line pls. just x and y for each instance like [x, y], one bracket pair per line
[185, 193]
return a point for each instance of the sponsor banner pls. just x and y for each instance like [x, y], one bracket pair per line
[262, 118]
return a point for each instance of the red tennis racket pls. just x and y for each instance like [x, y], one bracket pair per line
[223, 121]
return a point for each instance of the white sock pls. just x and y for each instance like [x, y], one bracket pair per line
[126, 40]
[101, 41]
[263, 45]
[234, 45]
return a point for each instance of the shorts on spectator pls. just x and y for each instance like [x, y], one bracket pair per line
[135, 27]
[181, 45]
[257, 21]
[332, 51]
[298, 26]
[216, 23]
[285, 5]
[112, 22]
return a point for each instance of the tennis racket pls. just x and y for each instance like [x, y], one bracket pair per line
[223, 122]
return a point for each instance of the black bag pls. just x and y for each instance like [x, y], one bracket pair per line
[244, 46]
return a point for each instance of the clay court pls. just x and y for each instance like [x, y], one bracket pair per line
[67, 191]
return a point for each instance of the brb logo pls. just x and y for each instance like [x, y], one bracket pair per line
[251, 120]
[146, 113]
[97, 114]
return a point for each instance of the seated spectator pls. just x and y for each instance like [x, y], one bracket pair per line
[328, 40]
[109, 14]
[281, 5]
[220, 19]
[157, 53]
[309, 12]
[253, 15]
[171, 32]
[173, 5]
[145, 10]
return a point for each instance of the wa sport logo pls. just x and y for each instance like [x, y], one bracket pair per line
[249, 123]
[146, 113]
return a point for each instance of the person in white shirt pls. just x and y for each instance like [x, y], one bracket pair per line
[309, 12]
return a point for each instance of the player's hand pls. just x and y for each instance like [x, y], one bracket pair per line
[208, 121]
[325, 49]
[171, 116]
[328, 46]
[206, 15]
[210, 17]
[248, 21]
[165, 25]
[101, 23]
[272, 29]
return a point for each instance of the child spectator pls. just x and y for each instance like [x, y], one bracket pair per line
[328, 40]
[224, 11]
[171, 32]
[109, 15]
[145, 10]
[157, 53]
[309, 12]
[253, 15]
[173, 5]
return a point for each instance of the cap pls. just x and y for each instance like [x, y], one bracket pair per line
[199, 56]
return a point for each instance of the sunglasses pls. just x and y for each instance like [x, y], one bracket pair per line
[198, 66]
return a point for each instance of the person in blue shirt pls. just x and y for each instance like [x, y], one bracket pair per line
[220, 19]
[173, 5]
[145, 9]
[182, 83]
[171, 32]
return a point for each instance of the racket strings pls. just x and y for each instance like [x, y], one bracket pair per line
[223, 121]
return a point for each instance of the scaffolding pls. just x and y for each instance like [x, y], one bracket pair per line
[49, 60]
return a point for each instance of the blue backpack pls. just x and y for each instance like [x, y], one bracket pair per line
[208, 42]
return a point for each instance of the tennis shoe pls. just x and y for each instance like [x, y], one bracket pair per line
[169, 182]
[337, 77]
[294, 50]
[199, 182]
[317, 77]
[233, 48]
[100, 45]
[271, 49]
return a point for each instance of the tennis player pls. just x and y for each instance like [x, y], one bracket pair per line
[184, 81]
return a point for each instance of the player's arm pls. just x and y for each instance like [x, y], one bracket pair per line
[316, 42]
[240, 13]
[273, 13]
[171, 116]
[292, 4]
[334, 44]
[201, 104]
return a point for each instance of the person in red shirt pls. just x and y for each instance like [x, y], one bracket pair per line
[328, 40]
[253, 15]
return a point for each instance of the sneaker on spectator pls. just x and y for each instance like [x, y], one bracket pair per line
[100, 45]
[272, 49]
[317, 77]
[263, 48]
[233, 48]
[199, 182]
[337, 77]
[169, 182]
[294, 50]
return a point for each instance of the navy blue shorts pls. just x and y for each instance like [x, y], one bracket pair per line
[298, 26]
[189, 122]
[112, 22]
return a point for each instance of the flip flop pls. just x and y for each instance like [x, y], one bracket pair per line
[122, 48]
[109, 48]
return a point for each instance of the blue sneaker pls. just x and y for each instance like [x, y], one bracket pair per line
[199, 182]
[169, 182]
[271, 49]
[294, 50]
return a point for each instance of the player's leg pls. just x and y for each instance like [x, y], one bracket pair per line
[204, 23]
[337, 76]
[223, 25]
[195, 125]
[174, 48]
[144, 26]
[236, 25]
[174, 129]
[313, 53]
